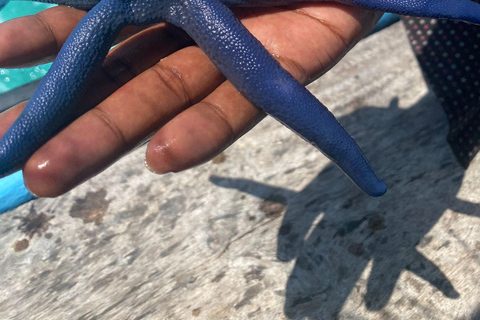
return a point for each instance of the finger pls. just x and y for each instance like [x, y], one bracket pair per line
[36, 39]
[103, 134]
[202, 131]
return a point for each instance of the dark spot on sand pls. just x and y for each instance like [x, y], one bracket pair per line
[34, 223]
[255, 273]
[347, 204]
[251, 293]
[251, 217]
[92, 208]
[170, 249]
[60, 284]
[21, 245]
[220, 158]
[274, 205]
[349, 227]
[196, 312]
[132, 172]
[425, 241]
[376, 222]
[417, 177]
[356, 249]
[219, 276]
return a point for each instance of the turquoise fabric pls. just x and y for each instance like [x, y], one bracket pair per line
[13, 192]
[386, 20]
[13, 78]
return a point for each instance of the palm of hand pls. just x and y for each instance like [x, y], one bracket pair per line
[175, 83]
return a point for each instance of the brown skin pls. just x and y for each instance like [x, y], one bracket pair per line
[154, 82]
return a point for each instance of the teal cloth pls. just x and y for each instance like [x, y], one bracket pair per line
[13, 192]
[386, 20]
[13, 78]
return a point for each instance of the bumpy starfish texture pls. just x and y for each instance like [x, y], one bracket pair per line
[241, 58]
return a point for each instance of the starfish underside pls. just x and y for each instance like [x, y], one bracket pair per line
[241, 58]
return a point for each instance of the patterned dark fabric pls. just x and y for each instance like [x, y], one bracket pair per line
[449, 55]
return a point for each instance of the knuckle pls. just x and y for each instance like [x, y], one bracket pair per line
[172, 79]
[223, 119]
[107, 120]
[55, 45]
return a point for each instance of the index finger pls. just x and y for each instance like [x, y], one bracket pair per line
[36, 39]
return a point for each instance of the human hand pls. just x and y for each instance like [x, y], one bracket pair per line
[153, 80]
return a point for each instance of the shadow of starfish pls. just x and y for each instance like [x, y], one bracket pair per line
[334, 230]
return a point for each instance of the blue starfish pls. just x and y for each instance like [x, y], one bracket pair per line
[241, 58]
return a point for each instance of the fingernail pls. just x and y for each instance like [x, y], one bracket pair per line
[147, 165]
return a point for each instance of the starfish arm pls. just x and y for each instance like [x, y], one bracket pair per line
[248, 65]
[53, 103]
[464, 10]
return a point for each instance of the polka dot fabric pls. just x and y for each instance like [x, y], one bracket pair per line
[449, 55]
